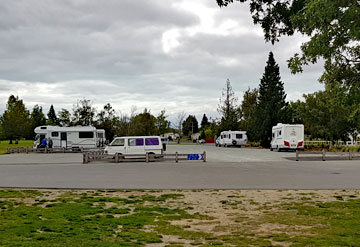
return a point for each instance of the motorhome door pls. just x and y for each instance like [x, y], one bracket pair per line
[63, 140]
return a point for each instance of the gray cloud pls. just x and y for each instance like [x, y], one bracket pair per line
[175, 55]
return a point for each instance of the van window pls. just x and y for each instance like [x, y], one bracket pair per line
[239, 136]
[54, 134]
[118, 142]
[136, 142]
[86, 134]
[151, 141]
[100, 135]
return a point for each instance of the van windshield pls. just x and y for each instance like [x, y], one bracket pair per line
[118, 142]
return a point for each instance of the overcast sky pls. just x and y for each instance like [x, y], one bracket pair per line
[174, 55]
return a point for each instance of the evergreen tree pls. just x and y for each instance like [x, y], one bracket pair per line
[190, 125]
[228, 109]
[107, 120]
[52, 116]
[15, 120]
[248, 106]
[204, 122]
[271, 107]
[37, 118]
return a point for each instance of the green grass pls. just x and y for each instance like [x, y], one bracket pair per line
[5, 144]
[139, 218]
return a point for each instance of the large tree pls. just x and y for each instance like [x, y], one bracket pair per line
[333, 27]
[228, 109]
[83, 113]
[248, 106]
[107, 120]
[162, 124]
[15, 120]
[190, 125]
[64, 118]
[143, 124]
[37, 118]
[204, 122]
[271, 107]
[52, 119]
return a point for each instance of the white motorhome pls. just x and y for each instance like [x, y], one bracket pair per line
[287, 137]
[77, 137]
[135, 145]
[231, 138]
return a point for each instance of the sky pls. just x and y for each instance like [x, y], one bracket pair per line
[174, 55]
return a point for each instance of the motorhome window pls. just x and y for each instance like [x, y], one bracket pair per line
[239, 136]
[229, 136]
[151, 141]
[136, 142]
[54, 134]
[86, 134]
[118, 142]
[43, 128]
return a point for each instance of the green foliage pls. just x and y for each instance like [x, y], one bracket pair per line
[15, 120]
[107, 120]
[228, 109]
[248, 107]
[143, 124]
[64, 118]
[83, 113]
[332, 26]
[204, 122]
[37, 118]
[5, 144]
[271, 107]
[162, 124]
[52, 119]
[190, 125]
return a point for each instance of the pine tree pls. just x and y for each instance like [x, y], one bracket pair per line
[204, 122]
[52, 116]
[37, 118]
[271, 107]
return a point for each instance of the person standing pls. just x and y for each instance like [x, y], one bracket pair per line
[50, 143]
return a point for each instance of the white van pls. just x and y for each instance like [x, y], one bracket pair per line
[287, 137]
[76, 137]
[135, 145]
[231, 138]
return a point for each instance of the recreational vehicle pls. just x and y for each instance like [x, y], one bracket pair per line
[287, 137]
[231, 138]
[135, 145]
[77, 137]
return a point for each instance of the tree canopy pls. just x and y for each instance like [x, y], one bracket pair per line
[332, 25]
[228, 108]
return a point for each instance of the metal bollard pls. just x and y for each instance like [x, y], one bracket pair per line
[176, 157]
[323, 154]
[204, 155]
[297, 155]
[147, 157]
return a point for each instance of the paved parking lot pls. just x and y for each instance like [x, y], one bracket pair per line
[227, 168]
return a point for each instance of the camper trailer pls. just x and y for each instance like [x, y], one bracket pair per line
[77, 137]
[287, 137]
[136, 145]
[232, 138]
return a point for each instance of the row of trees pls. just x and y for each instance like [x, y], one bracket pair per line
[18, 122]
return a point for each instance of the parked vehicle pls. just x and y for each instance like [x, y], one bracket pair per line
[136, 145]
[201, 141]
[287, 137]
[77, 137]
[231, 138]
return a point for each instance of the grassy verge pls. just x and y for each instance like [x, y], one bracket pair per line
[179, 218]
[5, 144]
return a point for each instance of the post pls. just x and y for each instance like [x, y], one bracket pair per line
[84, 158]
[323, 154]
[147, 157]
[27, 150]
[7, 150]
[204, 155]
[350, 154]
[176, 157]
[297, 155]
[18, 150]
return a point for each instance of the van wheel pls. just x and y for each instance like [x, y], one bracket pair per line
[271, 149]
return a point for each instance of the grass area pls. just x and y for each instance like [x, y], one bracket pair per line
[5, 144]
[179, 218]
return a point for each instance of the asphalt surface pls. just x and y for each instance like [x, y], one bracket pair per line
[226, 168]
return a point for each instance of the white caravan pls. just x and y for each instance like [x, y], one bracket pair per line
[135, 145]
[77, 137]
[231, 138]
[287, 137]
